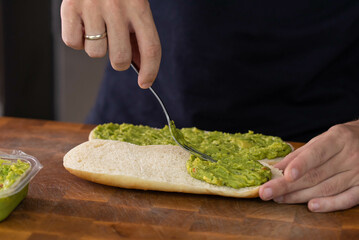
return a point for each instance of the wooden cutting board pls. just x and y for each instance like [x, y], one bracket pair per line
[62, 206]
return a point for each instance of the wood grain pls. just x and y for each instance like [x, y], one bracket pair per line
[62, 206]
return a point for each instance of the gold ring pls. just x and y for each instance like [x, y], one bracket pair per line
[96, 37]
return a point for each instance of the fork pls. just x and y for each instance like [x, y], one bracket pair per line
[175, 133]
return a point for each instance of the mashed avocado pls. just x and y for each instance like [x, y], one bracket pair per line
[10, 172]
[237, 154]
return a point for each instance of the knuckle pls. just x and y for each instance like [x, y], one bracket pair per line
[355, 157]
[315, 153]
[285, 199]
[313, 177]
[141, 5]
[69, 3]
[352, 160]
[115, 5]
[112, 3]
[354, 181]
[96, 53]
[351, 199]
[328, 189]
[282, 188]
[71, 42]
[69, 6]
[291, 198]
[341, 131]
[90, 3]
[153, 51]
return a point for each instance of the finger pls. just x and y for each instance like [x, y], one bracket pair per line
[72, 28]
[118, 39]
[279, 187]
[136, 58]
[284, 163]
[94, 24]
[287, 159]
[331, 186]
[315, 154]
[342, 201]
[274, 188]
[149, 47]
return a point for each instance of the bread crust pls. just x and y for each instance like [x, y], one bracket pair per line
[92, 135]
[142, 184]
[127, 173]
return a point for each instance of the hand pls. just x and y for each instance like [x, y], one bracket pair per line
[324, 172]
[131, 33]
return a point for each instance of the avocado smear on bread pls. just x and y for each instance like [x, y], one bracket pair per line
[237, 153]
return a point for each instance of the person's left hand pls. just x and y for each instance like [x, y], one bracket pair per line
[324, 172]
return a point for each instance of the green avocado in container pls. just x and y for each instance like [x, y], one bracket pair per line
[16, 171]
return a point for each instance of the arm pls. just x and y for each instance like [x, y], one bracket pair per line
[131, 33]
[324, 172]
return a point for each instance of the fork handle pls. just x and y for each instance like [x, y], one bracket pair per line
[134, 67]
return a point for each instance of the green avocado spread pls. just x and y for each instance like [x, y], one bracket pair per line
[10, 172]
[237, 154]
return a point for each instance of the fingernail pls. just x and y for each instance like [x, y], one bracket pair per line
[278, 199]
[314, 206]
[267, 193]
[294, 174]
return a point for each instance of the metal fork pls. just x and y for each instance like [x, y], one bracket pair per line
[176, 134]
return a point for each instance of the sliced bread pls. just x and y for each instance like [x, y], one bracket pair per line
[153, 167]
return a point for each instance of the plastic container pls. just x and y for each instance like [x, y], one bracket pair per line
[11, 197]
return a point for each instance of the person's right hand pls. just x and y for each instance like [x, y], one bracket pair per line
[131, 33]
[324, 172]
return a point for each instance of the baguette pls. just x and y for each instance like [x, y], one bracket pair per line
[152, 167]
[267, 161]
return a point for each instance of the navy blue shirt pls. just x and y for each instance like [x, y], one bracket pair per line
[286, 68]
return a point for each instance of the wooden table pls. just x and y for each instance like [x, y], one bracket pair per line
[62, 206]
